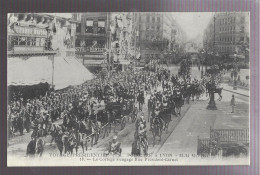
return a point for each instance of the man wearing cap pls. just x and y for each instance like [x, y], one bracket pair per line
[114, 146]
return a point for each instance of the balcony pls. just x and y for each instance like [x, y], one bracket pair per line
[19, 50]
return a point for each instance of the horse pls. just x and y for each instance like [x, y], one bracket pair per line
[156, 127]
[139, 147]
[87, 129]
[210, 87]
[178, 104]
[103, 123]
[199, 90]
[69, 143]
[165, 115]
[79, 140]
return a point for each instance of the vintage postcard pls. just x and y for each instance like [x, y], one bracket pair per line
[128, 88]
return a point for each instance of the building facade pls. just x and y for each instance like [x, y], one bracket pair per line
[104, 39]
[150, 39]
[159, 35]
[91, 38]
[228, 33]
[41, 49]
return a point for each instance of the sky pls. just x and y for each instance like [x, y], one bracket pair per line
[193, 23]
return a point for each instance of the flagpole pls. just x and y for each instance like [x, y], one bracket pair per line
[134, 42]
[109, 46]
[52, 83]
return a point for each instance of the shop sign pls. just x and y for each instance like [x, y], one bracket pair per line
[30, 31]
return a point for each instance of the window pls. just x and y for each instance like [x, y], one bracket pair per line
[148, 18]
[101, 27]
[152, 27]
[89, 26]
[78, 28]
[158, 27]
[158, 19]
[241, 38]
[153, 19]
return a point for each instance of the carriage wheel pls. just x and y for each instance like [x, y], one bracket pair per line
[123, 123]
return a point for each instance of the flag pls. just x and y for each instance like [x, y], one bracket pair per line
[89, 23]
[54, 25]
[101, 23]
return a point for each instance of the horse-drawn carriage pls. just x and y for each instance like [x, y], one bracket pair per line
[118, 112]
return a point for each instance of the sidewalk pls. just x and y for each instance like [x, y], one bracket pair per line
[238, 91]
[197, 122]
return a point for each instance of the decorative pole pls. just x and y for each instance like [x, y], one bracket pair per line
[235, 73]
[212, 71]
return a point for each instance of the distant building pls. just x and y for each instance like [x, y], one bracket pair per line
[230, 35]
[158, 34]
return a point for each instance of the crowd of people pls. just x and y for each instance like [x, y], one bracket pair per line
[83, 109]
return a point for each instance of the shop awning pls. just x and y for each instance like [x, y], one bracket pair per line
[30, 71]
[97, 63]
[35, 70]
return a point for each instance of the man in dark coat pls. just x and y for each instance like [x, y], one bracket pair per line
[20, 124]
[140, 99]
[150, 107]
[31, 147]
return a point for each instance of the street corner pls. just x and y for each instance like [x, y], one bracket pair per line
[238, 119]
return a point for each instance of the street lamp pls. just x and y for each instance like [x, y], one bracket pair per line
[212, 87]
[235, 72]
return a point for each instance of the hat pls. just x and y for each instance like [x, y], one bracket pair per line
[114, 137]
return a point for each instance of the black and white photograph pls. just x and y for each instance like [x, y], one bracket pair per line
[128, 88]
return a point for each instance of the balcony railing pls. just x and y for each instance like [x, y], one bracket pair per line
[97, 49]
[89, 49]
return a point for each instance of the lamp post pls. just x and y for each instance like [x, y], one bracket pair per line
[235, 71]
[212, 71]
